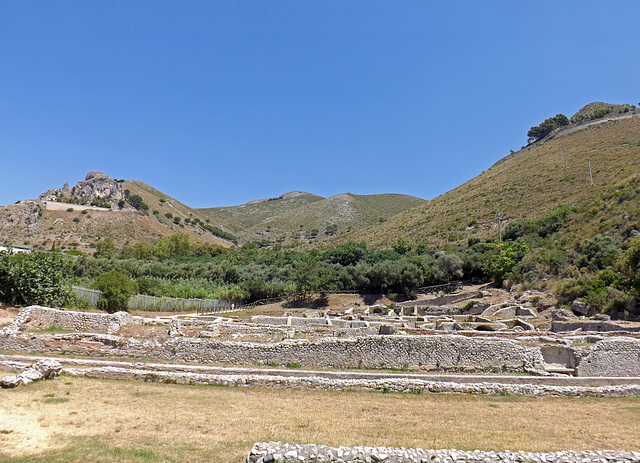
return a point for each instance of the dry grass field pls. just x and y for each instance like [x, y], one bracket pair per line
[74, 419]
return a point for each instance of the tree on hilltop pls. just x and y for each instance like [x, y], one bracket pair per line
[538, 132]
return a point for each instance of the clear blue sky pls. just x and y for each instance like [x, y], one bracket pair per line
[220, 102]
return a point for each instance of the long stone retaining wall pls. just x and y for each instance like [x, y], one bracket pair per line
[447, 352]
[437, 352]
[327, 380]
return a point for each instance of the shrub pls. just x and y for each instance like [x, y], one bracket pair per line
[508, 254]
[34, 278]
[116, 289]
[570, 289]
[546, 127]
[105, 248]
[599, 252]
[137, 202]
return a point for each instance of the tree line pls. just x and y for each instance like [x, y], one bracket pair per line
[600, 271]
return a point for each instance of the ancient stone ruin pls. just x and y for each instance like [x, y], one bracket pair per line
[326, 342]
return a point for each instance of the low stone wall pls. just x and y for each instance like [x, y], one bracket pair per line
[82, 344]
[310, 381]
[436, 352]
[40, 318]
[600, 326]
[270, 452]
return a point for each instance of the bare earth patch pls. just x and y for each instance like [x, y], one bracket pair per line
[7, 314]
[24, 431]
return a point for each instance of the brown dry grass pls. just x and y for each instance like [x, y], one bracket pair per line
[73, 419]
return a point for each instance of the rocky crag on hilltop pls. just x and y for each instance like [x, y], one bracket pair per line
[97, 189]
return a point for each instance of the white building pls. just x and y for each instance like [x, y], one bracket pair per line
[14, 247]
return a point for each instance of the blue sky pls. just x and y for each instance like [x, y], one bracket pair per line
[217, 102]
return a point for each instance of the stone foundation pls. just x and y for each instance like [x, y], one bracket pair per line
[40, 318]
[610, 356]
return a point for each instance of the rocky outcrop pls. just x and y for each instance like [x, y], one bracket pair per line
[95, 186]
[22, 214]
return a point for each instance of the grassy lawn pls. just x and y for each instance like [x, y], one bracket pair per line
[76, 419]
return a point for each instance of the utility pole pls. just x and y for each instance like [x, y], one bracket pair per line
[565, 158]
[590, 174]
[499, 215]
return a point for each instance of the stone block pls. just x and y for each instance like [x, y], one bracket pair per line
[9, 382]
[386, 329]
[526, 312]
[582, 308]
[506, 312]
[562, 315]
[479, 326]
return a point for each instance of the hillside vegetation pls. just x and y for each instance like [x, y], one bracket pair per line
[298, 216]
[524, 185]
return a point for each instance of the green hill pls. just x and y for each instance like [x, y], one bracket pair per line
[303, 216]
[526, 184]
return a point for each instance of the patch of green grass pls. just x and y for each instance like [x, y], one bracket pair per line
[90, 449]
[51, 329]
[55, 400]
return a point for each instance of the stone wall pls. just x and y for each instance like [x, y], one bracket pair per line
[446, 352]
[441, 352]
[270, 452]
[41, 318]
[600, 326]
[612, 357]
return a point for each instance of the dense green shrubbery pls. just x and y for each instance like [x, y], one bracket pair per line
[598, 270]
[137, 202]
[220, 233]
[176, 267]
[34, 278]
